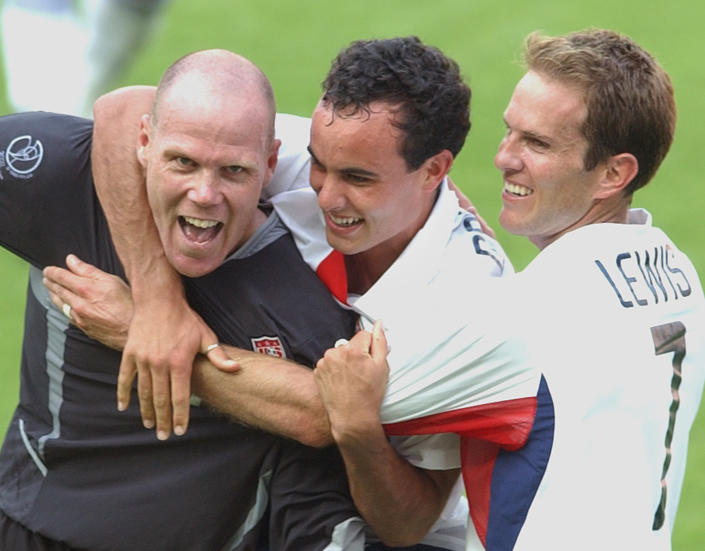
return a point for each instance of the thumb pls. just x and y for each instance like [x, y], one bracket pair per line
[78, 267]
[215, 352]
[220, 359]
[378, 346]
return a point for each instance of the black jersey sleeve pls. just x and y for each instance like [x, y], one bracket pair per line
[48, 206]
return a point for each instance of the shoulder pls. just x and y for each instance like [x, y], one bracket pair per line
[294, 133]
[37, 143]
[293, 159]
[292, 126]
[49, 126]
[452, 240]
[473, 252]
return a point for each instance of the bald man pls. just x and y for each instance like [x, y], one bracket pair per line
[75, 472]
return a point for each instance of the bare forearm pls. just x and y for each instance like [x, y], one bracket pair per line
[119, 183]
[400, 502]
[275, 395]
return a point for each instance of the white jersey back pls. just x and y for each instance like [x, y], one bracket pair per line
[616, 320]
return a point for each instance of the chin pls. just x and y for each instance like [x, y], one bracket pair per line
[506, 222]
[191, 267]
[340, 245]
[511, 224]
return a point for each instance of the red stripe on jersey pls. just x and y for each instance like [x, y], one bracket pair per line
[484, 430]
[505, 423]
[478, 460]
[331, 271]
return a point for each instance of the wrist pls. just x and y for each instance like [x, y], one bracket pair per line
[155, 280]
[367, 434]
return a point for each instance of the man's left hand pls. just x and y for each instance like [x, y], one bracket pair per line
[98, 303]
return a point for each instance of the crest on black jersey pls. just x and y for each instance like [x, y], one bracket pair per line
[272, 346]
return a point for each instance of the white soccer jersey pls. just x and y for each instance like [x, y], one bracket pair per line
[294, 162]
[617, 324]
[614, 315]
[462, 368]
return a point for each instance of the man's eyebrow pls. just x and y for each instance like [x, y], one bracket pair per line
[310, 152]
[529, 133]
[536, 136]
[355, 171]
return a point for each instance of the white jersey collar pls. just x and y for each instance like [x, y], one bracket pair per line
[420, 261]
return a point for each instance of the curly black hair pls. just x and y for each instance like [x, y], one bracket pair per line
[419, 80]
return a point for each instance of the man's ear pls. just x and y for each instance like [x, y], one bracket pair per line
[436, 168]
[272, 161]
[619, 171]
[143, 138]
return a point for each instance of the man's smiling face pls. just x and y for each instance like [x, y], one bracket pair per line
[547, 190]
[370, 199]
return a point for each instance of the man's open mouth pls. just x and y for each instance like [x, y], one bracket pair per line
[199, 230]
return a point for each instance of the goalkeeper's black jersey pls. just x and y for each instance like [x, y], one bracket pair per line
[75, 469]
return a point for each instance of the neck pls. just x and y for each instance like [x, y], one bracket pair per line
[366, 267]
[602, 212]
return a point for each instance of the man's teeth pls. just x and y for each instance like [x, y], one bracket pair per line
[344, 220]
[515, 189]
[199, 223]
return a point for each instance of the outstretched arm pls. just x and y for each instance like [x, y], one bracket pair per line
[399, 501]
[165, 334]
[269, 393]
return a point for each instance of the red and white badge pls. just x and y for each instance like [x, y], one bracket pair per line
[271, 346]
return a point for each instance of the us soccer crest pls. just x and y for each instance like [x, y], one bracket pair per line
[271, 346]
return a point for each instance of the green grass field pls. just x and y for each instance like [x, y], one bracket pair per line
[294, 42]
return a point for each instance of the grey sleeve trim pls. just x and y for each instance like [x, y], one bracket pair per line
[30, 450]
[57, 324]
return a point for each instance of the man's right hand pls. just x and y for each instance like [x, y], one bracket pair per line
[164, 338]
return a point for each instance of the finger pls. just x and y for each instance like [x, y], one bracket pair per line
[486, 227]
[220, 359]
[55, 294]
[378, 345]
[63, 299]
[361, 341]
[63, 278]
[180, 401]
[144, 394]
[60, 295]
[161, 397]
[81, 268]
[341, 342]
[216, 354]
[126, 377]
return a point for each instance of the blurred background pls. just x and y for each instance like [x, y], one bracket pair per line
[62, 60]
